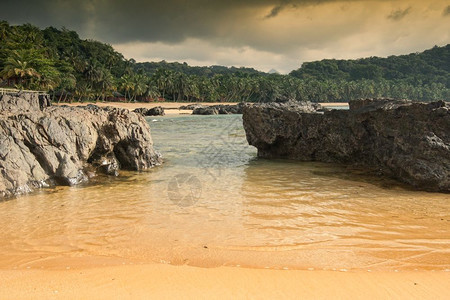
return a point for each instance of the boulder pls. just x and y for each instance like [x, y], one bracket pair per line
[207, 110]
[221, 109]
[402, 139]
[229, 109]
[155, 111]
[191, 106]
[42, 145]
[141, 110]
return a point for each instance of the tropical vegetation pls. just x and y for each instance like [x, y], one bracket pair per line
[70, 68]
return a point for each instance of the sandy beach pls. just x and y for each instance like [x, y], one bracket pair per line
[88, 269]
[170, 108]
[175, 282]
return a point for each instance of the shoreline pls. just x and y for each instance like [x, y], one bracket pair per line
[85, 276]
[160, 280]
[170, 108]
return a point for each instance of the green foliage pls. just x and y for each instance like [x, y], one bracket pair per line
[58, 61]
[151, 68]
[430, 66]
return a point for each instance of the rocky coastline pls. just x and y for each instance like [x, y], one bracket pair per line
[43, 145]
[220, 109]
[146, 112]
[406, 140]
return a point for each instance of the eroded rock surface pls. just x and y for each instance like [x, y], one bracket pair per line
[42, 145]
[207, 110]
[219, 109]
[155, 111]
[406, 140]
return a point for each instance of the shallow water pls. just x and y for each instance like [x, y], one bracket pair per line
[214, 203]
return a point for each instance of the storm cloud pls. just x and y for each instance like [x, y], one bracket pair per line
[399, 14]
[264, 34]
[446, 11]
[127, 20]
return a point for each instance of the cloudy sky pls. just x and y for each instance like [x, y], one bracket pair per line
[264, 34]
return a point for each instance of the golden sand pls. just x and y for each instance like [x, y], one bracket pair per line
[182, 282]
[170, 108]
[97, 273]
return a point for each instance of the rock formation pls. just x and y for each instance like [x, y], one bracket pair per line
[42, 145]
[220, 109]
[191, 106]
[406, 140]
[207, 110]
[155, 111]
[229, 109]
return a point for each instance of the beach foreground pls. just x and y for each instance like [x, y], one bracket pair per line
[105, 239]
[166, 281]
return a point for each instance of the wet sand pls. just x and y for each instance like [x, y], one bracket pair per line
[175, 282]
[91, 265]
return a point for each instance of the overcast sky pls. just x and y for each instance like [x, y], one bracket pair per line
[264, 34]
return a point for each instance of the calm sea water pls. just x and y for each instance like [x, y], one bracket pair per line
[213, 203]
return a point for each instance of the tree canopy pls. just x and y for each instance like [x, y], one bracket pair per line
[70, 68]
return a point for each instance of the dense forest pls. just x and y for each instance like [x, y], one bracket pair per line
[69, 68]
[151, 68]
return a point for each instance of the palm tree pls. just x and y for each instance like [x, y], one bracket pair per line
[162, 80]
[4, 30]
[93, 73]
[152, 91]
[126, 84]
[76, 61]
[139, 85]
[83, 90]
[20, 67]
[106, 83]
[68, 84]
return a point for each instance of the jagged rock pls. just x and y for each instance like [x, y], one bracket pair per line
[406, 140]
[363, 105]
[23, 101]
[191, 106]
[221, 109]
[155, 111]
[42, 146]
[208, 110]
[229, 109]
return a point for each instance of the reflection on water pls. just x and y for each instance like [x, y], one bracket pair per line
[249, 211]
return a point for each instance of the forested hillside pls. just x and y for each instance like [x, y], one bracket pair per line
[151, 68]
[430, 66]
[69, 68]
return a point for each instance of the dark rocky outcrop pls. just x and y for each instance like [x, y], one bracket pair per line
[229, 109]
[207, 110]
[220, 109]
[42, 145]
[191, 106]
[155, 111]
[406, 140]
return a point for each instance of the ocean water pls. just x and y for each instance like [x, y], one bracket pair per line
[214, 203]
